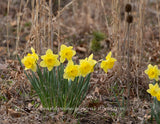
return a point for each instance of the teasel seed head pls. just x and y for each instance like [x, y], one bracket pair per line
[129, 19]
[128, 7]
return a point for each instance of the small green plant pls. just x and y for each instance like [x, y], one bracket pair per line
[121, 104]
[98, 36]
[95, 43]
[2, 98]
[27, 24]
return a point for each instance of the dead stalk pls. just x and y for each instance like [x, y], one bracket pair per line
[158, 16]
[51, 25]
[37, 26]
[128, 64]
[18, 32]
[59, 31]
[7, 28]
[140, 41]
[105, 15]
[44, 27]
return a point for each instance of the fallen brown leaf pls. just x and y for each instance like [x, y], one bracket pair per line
[3, 51]
[14, 114]
[3, 66]
[81, 49]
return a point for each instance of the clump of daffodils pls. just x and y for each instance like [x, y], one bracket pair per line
[153, 73]
[58, 84]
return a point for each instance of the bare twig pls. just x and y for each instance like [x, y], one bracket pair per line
[7, 28]
[158, 17]
[50, 23]
[59, 3]
[63, 9]
[105, 15]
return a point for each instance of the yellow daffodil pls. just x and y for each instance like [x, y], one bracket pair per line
[33, 54]
[66, 53]
[29, 63]
[158, 95]
[108, 63]
[49, 60]
[87, 65]
[71, 71]
[153, 89]
[153, 72]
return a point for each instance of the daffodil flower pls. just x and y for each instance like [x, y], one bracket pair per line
[29, 63]
[87, 65]
[108, 63]
[153, 72]
[49, 60]
[153, 89]
[66, 53]
[71, 71]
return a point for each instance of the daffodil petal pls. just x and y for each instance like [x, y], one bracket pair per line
[63, 47]
[33, 51]
[109, 55]
[50, 68]
[49, 51]
[90, 57]
[150, 86]
[34, 68]
[43, 64]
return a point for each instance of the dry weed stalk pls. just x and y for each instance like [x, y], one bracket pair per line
[8, 6]
[18, 27]
[158, 16]
[139, 42]
[115, 19]
[105, 15]
[141, 27]
[50, 26]
[129, 20]
[18, 31]
[117, 28]
[20, 17]
[42, 44]
[59, 3]
[37, 42]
